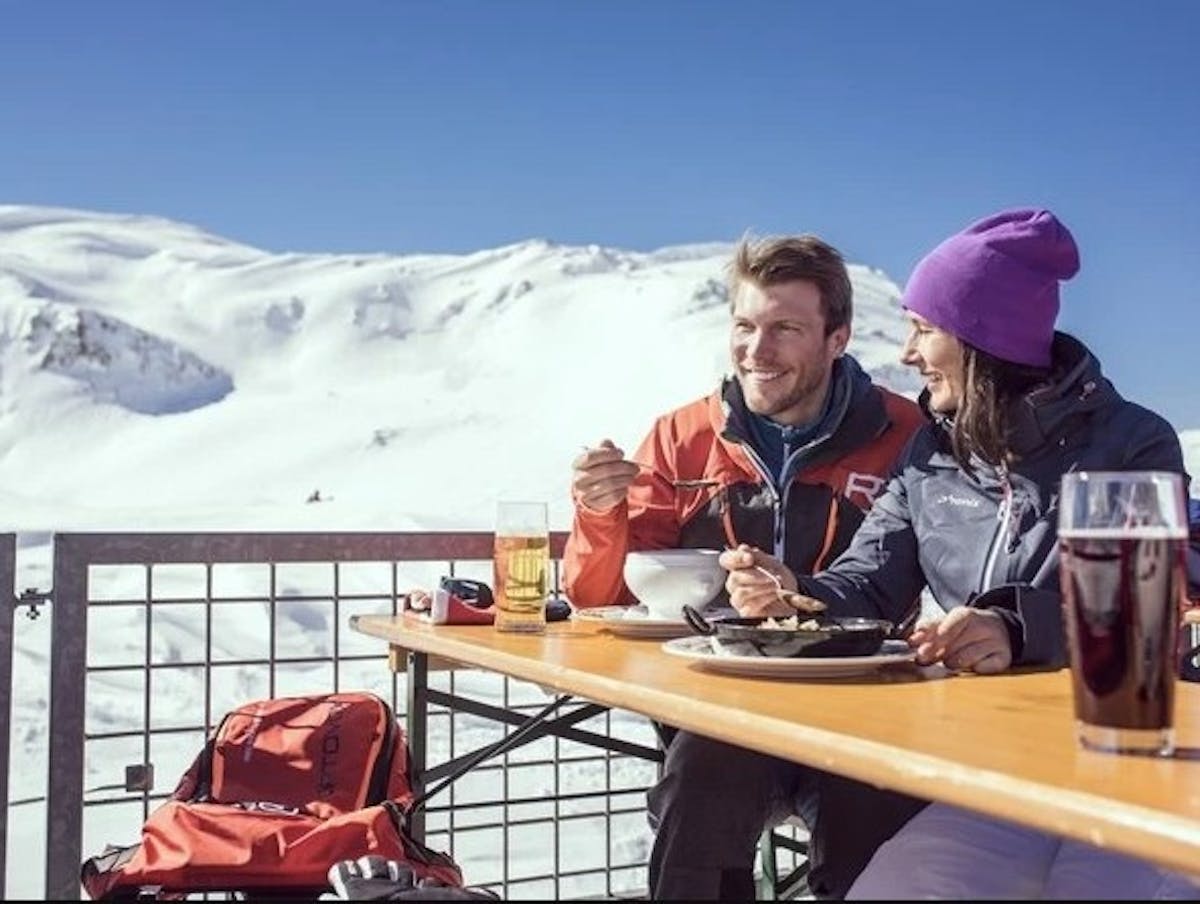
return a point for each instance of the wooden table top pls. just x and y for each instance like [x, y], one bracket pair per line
[1001, 744]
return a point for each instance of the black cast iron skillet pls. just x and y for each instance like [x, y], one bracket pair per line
[831, 637]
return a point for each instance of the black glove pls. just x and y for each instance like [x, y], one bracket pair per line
[374, 878]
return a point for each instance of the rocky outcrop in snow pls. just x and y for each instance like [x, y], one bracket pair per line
[121, 364]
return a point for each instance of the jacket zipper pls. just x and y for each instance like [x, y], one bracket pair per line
[769, 483]
[1002, 527]
[778, 504]
[831, 517]
[778, 499]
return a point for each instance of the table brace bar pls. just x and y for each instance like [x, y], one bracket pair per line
[470, 761]
[559, 727]
[530, 728]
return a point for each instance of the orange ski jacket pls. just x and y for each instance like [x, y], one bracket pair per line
[709, 489]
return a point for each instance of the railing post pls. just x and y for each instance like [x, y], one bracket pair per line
[418, 726]
[8, 604]
[68, 652]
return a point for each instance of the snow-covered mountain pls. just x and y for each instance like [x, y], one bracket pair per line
[152, 374]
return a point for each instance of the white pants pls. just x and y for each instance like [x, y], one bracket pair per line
[945, 852]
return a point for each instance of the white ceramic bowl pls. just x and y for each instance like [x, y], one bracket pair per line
[664, 580]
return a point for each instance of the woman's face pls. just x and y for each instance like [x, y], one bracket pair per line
[938, 357]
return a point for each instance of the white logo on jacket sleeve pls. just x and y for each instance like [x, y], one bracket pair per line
[868, 485]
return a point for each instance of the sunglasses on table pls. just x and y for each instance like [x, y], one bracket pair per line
[475, 594]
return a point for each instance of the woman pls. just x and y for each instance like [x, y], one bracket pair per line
[971, 514]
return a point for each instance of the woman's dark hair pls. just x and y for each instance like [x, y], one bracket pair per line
[983, 422]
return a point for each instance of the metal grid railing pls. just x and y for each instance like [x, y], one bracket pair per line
[155, 636]
[594, 799]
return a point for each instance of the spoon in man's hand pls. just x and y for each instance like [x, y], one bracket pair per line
[796, 600]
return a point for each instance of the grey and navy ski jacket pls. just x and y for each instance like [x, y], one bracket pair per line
[990, 539]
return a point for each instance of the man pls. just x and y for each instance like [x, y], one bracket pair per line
[785, 455]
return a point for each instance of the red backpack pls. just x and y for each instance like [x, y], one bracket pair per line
[283, 789]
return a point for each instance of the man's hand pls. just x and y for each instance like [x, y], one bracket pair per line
[752, 585]
[602, 477]
[966, 640]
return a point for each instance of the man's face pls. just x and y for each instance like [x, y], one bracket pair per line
[780, 352]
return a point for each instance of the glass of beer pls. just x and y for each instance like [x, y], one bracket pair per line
[1122, 538]
[521, 564]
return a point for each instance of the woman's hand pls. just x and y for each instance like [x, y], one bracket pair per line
[754, 582]
[966, 640]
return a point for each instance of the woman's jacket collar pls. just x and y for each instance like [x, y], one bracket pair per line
[1045, 414]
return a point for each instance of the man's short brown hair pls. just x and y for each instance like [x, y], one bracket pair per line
[774, 260]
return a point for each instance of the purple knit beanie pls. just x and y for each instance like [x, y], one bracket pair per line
[995, 284]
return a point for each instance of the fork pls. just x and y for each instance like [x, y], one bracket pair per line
[677, 484]
[793, 598]
[772, 575]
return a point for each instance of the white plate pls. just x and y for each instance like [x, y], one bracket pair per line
[700, 651]
[631, 621]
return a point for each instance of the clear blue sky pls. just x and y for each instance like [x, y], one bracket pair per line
[452, 126]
